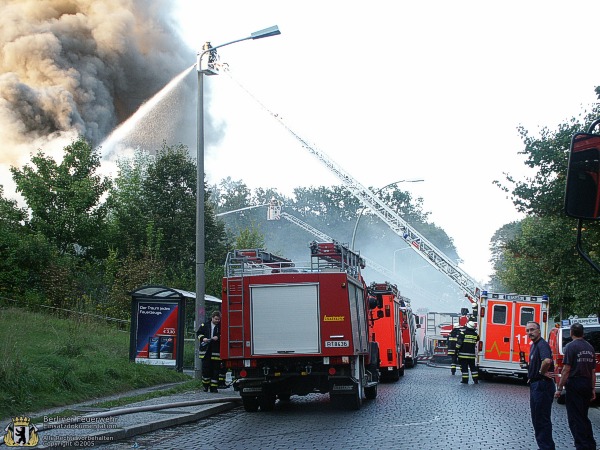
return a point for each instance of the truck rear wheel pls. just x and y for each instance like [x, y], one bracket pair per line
[371, 392]
[284, 396]
[355, 400]
[267, 402]
[250, 404]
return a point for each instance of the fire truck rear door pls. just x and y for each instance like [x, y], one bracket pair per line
[285, 319]
[498, 330]
[526, 312]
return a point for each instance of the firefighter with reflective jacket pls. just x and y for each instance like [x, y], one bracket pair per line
[209, 335]
[452, 340]
[465, 347]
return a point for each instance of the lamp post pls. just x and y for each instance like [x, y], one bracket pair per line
[364, 207]
[200, 233]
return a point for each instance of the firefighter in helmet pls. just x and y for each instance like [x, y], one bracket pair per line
[465, 347]
[452, 340]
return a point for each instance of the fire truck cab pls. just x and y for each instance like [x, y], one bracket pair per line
[291, 328]
[560, 336]
[503, 347]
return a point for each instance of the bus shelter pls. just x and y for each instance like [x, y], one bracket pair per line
[158, 325]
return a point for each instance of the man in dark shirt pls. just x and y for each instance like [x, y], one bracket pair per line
[579, 376]
[541, 387]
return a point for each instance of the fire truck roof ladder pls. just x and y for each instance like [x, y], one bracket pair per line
[326, 255]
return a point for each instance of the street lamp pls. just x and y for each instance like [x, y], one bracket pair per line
[364, 207]
[200, 233]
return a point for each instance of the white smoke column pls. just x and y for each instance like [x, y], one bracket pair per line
[70, 67]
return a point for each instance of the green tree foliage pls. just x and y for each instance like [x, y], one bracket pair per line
[128, 215]
[250, 238]
[170, 203]
[23, 253]
[65, 199]
[538, 254]
[334, 212]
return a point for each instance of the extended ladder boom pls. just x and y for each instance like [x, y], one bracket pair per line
[422, 246]
[275, 213]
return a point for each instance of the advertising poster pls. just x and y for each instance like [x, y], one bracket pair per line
[156, 333]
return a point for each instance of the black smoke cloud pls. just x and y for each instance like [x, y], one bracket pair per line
[81, 66]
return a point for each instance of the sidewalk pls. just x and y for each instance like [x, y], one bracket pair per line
[105, 425]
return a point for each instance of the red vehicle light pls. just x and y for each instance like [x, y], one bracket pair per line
[389, 355]
[482, 312]
[545, 317]
[480, 345]
[232, 363]
[332, 371]
[243, 373]
[339, 360]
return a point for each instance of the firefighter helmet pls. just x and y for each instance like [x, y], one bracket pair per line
[470, 324]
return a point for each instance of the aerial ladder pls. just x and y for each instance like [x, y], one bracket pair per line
[275, 213]
[418, 243]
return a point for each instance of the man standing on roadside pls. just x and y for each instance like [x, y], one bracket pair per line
[209, 351]
[541, 387]
[579, 376]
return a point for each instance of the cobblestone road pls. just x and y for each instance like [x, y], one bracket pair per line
[426, 409]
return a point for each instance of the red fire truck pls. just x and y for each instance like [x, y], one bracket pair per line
[294, 329]
[503, 344]
[561, 336]
[387, 330]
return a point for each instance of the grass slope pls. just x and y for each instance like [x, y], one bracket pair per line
[49, 362]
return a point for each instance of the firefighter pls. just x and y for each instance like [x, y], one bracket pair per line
[452, 340]
[209, 350]
[465, 347]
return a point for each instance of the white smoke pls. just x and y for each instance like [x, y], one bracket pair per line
[79, 67]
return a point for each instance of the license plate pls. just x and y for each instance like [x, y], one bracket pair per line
[330, 344]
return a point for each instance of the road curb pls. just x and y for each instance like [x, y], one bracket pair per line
[151, 423]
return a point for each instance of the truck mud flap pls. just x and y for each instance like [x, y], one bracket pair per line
[343, 387]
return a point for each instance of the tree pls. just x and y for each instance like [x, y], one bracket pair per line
[14, 251]
[128, 214]
[250, 238]
[65, 199]
[539, 255]
[170, 203]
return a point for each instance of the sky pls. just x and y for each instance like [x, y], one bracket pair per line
[389, 90]
[396, 90]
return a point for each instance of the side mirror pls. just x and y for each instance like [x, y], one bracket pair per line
[582, 195]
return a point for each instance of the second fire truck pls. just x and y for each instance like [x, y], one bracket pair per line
[387, 330]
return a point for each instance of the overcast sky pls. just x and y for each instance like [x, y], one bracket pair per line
[395, 90]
